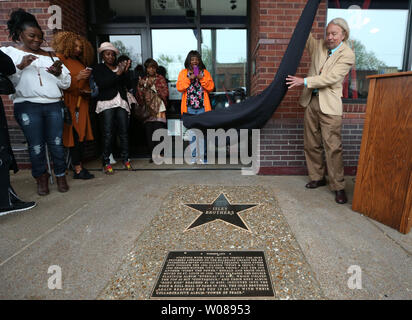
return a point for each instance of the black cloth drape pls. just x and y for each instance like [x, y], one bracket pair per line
[254, 112]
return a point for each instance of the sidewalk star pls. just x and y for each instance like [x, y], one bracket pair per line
[220, 209]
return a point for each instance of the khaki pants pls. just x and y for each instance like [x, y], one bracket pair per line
[323, 129]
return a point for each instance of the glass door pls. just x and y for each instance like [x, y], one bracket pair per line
[172, 57]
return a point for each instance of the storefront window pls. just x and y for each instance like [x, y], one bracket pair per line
[129, 45]
[377, 36]
[170, 55]
[173, 11]
[224, 53]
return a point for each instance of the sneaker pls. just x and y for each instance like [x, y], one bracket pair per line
[107, 169]
[193, 161]
[112, 161]
[17, 206]
[84, 174]
[128, 166]
[201, 161]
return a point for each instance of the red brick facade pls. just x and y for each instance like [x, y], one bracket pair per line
[271, 26]
[74, 15]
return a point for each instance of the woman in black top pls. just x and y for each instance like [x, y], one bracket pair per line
[112, 81]
[9, 202]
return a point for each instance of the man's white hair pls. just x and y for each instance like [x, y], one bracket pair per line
[343, 24]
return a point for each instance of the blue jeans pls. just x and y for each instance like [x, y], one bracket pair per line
[200, 143]
[42, 123]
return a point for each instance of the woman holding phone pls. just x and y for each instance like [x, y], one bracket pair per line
[112, 81]
[37, 101]
[195, 82]
[77, 55]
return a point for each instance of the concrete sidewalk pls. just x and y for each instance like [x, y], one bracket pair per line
[90, 230]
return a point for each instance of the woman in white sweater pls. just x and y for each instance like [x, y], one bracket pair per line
[37, 101]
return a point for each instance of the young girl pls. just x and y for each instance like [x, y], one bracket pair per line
[195, 82]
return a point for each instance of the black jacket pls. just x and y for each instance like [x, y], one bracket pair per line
[109, 83]
[6, 154]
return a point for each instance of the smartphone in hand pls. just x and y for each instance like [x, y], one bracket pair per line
[196, 70]
[55, 68]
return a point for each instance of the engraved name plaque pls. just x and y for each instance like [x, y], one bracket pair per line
[214, 274]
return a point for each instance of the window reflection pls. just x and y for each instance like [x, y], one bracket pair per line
[120, 11]
[170, 48]
[130, 46]
[173, 11]
[223, 11]
[224, 7]
[377, 37]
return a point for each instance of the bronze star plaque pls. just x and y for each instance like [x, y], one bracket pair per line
[214, 274]
[220, 209]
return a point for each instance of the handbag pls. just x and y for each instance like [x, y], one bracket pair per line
[67, 116]
[6, 86]
[141, 112]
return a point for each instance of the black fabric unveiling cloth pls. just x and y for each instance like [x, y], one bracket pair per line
[254, 112]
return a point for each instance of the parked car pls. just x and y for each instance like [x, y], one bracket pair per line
[221, 100]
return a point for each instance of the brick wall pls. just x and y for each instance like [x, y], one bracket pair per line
[73, 19]
[74, 15]
[272, 25]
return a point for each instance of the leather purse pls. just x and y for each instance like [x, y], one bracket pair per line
[6, 86]
[141, 112]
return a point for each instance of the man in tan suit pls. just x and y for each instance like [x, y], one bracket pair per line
[332, 59]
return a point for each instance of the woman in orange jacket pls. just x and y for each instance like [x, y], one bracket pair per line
[195, 82]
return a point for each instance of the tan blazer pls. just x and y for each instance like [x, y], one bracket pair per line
[330, 81]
